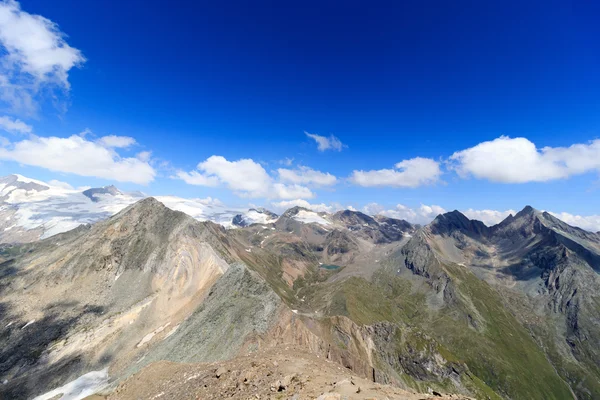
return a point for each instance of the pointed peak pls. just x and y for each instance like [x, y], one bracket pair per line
[527, 210]
[293, 211]
[455, 220]
[148, 202]
[451, 216]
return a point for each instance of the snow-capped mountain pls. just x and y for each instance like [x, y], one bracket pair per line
[255, 216]
[32, 209]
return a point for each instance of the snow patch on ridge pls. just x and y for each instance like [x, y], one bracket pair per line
[309, 217]
[82, 387]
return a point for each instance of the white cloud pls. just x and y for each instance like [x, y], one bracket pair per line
[408, 173]
[245, 177]
[60, 184]
[14, 125]
[422, 215]
[517, 160]
[287, 204]
[306, 176]
[78, 156]
[34, 53]
[326, 143]
[488, 217]
[287, 161]
[196, 178]
[590, 223]
[283, 191]
[144, 156]
[115, 141]
[425, 214]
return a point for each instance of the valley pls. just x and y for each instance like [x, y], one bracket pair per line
[160, 301]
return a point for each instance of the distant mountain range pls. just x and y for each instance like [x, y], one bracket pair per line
[32, 210]
[457, 307]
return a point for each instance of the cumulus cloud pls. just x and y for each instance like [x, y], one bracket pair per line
[306, 176]
[326, 143]
[78, 156]
[488, 217]
[245, 177]
[590, 223]
[421, 215]
[197, 178]
[408, 173]
[60, 184]
[116, 141]
[144, 156]
[518, 160]
[287, 204]
[34, 54]
[14, 125]
[424, 214]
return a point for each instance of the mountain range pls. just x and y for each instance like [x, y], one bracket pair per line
[136, 300]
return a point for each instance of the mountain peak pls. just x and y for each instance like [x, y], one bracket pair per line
[527, 210]
[455, 220]
[16, 181]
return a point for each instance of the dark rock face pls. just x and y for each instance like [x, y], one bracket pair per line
[242, 221]
[94, 192]
[355, 218]
[377, 229]
[552, 263]
[238, 220]
[413, 354]
[338, 242]
[445, 224]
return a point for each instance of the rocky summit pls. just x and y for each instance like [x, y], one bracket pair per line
[154, 303]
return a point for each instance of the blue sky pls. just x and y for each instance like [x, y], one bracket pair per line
[485, 105]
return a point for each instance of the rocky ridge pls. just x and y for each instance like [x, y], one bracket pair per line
[452, 307]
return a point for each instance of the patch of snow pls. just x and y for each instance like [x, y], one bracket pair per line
[59, 208]
[82, 387]
[295, 311]
[172, 331]
[249, 250]
[27, 324]
[9, 324]
[195, 376]
[309, 217]
[149, 336]
[257, 217]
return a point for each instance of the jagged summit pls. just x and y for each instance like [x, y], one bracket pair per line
[148, 204]
[455, 220]
[350, 217]
[527, 211]
[290, 212]
[258, 215]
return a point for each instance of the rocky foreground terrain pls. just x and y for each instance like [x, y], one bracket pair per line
[152, 303]
[289, 372]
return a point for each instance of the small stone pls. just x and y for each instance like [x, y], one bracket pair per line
[358, 390]
[221, 371]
